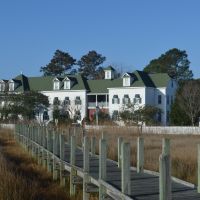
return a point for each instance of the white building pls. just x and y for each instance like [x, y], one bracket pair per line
[111, 94]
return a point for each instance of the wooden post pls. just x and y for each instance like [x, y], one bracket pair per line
[62, 155]
[102, 167]
[125, 180]
[49, 149]
[72, 162]
[44, 144]
[119, 144]
[165, 177]
[166, 146]
[93, 145]
[140, 154]
[85, 166]
[55, 172]
[198, 161]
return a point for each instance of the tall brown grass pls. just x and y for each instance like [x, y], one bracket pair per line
[21, 177]
[183, 150]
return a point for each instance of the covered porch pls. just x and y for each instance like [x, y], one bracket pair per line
[100, 100]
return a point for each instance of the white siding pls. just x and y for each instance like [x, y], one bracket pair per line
[72, 96]
[121, 92]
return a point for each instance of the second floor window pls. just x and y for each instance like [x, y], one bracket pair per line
[78, 101]
[66, 101]
[137, 99]
[159, 99]
[126, 99]
[56, 101]
[115, 99]
[167, 99]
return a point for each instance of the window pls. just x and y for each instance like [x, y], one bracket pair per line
[126, 81]
[159, 116]
[56, 101]
[2, 87]
[107, 75]
[126, 99]
[168, 116]
[172, 99]
[137, 99]
[78, 101]
[115, 99]
[56, 85]
[159, 99]
[11, 86]
[115, 115]
[67, 84]
[66, 101]
[167, 99]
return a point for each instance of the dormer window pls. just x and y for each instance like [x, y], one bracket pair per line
[2, 86]
[67, 83]
[56, 84]
[126, 80]
[11, 86]
[109, 73]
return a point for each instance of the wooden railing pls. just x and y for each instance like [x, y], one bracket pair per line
[57, 153]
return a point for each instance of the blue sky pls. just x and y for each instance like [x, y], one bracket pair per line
[129, 33]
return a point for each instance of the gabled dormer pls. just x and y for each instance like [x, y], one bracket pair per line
[109, 72]
[56, 84]
[67, 83]
[2, 86]
[11, 85]
[127, 79]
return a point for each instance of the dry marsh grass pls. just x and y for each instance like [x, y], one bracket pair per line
[22, 178]
[183, 150]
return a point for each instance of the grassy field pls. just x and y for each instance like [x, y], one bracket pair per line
[21, 177]
[183, 150]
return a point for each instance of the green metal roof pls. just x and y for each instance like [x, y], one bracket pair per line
[160, 79]
[45, 83]
[109, 68]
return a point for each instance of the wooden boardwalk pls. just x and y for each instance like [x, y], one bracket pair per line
[57, 154]
[143, 186]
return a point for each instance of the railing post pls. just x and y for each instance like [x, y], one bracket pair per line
[140, 154]
[165, 177]
[126, 182]
[62, 155]
[93, 145]
[44, 152]
[102, 167]
[119, 144]
[166, 146]
[198, 161]
[165, 171]
[55, 172]
[72, 162]
[85, 166]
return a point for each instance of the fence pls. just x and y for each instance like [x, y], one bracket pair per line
[60, 155]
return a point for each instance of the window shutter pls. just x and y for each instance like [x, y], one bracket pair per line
[112, 101]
